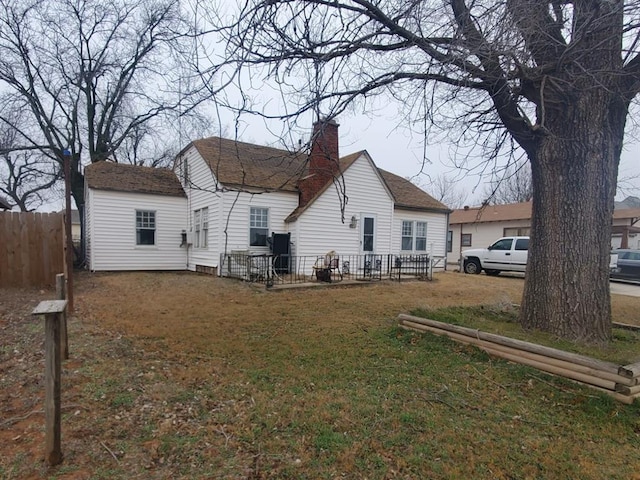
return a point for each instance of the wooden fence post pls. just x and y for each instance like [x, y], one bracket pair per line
[64, 337]
[52, 311]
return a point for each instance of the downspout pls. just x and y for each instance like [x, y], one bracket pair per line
[446, 242]
[460, 259]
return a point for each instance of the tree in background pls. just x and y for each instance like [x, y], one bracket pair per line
[445, 189]
[26, 177]
[513, 185]
[90, 76]
[553, 78]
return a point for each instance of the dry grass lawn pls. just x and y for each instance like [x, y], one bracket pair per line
[191, 376]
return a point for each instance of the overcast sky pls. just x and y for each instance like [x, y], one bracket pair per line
[397, 150]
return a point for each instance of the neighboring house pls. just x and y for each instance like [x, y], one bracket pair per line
[239, 194]
[626, 228]
[75, 225]
[240, 197]
[4, 205]
[134, 218]
[478, 227]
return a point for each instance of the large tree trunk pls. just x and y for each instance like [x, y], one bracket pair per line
[574, 173]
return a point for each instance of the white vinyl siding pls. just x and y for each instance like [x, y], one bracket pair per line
[320, 228]
[429, 232]
[113, 231]
[204, 194]
[236, 215]
[88, 224]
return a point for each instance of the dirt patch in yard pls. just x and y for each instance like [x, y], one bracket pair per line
[177, 375]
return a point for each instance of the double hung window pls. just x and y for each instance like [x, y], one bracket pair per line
[145, 227]
[258, 226]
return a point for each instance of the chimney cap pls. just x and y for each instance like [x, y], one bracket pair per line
[326, 121]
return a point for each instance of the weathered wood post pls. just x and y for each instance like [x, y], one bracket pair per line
[52, 311]
[64, 337]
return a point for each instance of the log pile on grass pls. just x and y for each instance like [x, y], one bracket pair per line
[622, 382]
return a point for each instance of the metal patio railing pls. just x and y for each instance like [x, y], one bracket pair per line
[329, 268]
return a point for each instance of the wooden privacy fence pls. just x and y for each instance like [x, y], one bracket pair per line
[31, 248]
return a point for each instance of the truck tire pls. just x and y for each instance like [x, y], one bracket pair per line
[472, 266]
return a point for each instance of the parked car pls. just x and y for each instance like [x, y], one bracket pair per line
[508, 254]
[628, 264]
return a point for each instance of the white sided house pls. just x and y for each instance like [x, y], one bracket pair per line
[247, 198]
[134, 218]
[228, 199]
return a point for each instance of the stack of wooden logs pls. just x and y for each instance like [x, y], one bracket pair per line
[622, 382]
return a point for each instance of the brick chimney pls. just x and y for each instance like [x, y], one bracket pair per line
[323, 160]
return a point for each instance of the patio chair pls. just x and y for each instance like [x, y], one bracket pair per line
[327, 268]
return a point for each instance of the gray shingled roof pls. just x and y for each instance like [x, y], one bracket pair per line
[132, 178]
[248, 165]
[408, 195]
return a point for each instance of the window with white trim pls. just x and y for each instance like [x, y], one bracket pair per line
[196, 229]
[407, 235]
[201, 228]
[414, 236]
[421, 236]
[258, 226]
[145, 227]
[205, 227]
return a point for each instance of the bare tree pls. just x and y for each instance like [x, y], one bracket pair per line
[93, 74]
[445, 189]
[554, 78]
[26, 177]
[513, 185]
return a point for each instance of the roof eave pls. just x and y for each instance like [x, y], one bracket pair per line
[423, 209]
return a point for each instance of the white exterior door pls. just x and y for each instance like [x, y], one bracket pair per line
[367, 234]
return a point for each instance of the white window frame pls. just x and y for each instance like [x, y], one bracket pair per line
[146, 220]
[201, 228]
[420, 223]
[409, 234]
[205, 227]
[196, 229]
[258, 217]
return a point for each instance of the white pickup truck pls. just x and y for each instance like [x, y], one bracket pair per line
[508, 254]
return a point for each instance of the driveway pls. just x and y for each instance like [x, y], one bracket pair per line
[630, 289]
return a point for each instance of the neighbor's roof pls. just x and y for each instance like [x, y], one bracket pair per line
[75, 216]
[248, 165]
[132, 178]
[632, 213]
[4, 205]
[492, 213]
[408, 195]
